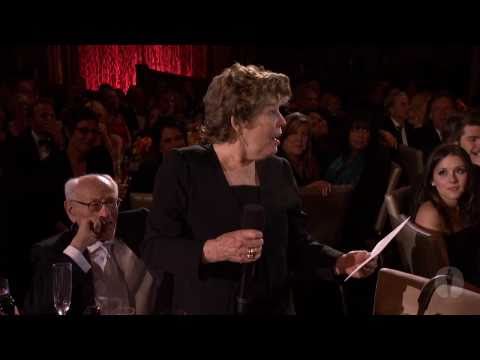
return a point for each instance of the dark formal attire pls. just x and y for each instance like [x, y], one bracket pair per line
[427, 139]
[405, 135]
[476, 177]
[28, 186]
[338, 131]
[139, 284]
[193, 202]
[463, 249]
[143, 180]
[367, 197]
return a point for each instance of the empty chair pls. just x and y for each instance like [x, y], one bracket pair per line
[326, 215]
[411, 160]
[395, 173]
[397, 292]
[453, 300]
[400, 293]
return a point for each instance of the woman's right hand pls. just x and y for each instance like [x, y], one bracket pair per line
[234, 246]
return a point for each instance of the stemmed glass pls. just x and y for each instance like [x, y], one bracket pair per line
[62, 287]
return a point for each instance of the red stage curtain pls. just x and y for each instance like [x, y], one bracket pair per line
[115, 64]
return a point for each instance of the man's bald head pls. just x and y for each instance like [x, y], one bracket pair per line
[94, 199]
[76, 185]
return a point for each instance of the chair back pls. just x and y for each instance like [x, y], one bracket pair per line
[395, 173]
[421, 253]
[411, 160]
[401, 293]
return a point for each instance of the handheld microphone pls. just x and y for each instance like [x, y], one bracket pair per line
[253, 217]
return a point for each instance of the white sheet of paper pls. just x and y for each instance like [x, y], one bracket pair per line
[382, 244]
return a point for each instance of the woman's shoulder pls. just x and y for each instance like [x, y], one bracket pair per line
[275, 168]
[194, 150]
[428, 217]
[276, 162]
[191, 152]
[201, 156]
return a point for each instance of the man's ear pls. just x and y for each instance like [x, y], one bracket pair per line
[69, 209]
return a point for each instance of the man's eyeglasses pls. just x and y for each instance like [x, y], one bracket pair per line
[96, 205]
[84, 131]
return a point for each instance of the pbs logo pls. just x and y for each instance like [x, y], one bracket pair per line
[451, 287]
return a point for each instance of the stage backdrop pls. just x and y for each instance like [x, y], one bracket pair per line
[115, 64]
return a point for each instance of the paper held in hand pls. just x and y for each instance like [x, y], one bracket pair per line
[382, 244]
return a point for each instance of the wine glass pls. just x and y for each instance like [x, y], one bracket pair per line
[62, 287]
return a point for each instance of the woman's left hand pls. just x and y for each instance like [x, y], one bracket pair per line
[322, 186]
[348, 262]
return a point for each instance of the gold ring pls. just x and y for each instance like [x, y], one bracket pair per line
[251, 251]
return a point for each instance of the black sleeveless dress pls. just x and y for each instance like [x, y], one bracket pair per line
[464, 253]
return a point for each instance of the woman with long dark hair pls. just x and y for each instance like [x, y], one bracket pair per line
[446, 198]
[446, 205]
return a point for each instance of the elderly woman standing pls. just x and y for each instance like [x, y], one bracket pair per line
[195, 229]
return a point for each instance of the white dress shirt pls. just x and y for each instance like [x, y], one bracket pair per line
[43, 151]
[402, 131]
[99, 253]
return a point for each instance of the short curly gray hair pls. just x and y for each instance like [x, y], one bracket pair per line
[240, 92]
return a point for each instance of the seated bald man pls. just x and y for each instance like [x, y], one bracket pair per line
[104, 261]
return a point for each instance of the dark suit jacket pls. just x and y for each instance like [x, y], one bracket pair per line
[367, 198]
[39, 300]
[193, 202]
[427, 139]
[29, 187]
[476, 177]
[143, 180]
[414, 139]
[389, 126]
